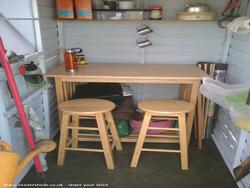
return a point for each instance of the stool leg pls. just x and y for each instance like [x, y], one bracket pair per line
[140, 140]
[183, 141]
[113, 131]
[196, 127]
[63, 139]
[75, 132]
[105, 141]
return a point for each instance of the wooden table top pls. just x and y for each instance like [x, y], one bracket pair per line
[130, 73]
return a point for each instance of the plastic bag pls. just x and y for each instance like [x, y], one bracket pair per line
[230, 97]
[123, 128]
[136, 125]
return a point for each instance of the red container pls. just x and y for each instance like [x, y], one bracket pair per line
[70, 59]
[156, 12]
[65, 9]
[84, 9]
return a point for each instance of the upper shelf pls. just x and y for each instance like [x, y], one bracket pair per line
[135, 16]
[137, 21]
[117, 10]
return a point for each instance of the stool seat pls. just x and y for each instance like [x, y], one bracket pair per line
[165, 106]
[86, 106]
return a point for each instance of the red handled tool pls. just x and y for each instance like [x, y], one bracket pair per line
[231, 7]
[19, 105]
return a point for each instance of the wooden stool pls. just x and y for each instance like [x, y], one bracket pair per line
[88, 108]
[164, 108]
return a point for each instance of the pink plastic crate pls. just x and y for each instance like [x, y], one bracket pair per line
[136, 125]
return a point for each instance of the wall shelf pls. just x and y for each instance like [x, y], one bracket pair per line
[135, 21]
[125, 10]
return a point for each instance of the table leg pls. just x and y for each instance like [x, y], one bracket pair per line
[185, 92]
[59, 90]
[59, 95]
[193, 99]
[200, 125]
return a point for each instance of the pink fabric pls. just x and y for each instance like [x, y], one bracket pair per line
[136, 125]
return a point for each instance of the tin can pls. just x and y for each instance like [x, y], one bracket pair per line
[71, 59]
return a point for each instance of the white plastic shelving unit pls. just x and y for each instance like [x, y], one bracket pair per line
[11, 130]
[232, 142]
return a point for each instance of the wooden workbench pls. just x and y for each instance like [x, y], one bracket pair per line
[188, 75]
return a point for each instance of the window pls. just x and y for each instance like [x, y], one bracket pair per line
[18, 22]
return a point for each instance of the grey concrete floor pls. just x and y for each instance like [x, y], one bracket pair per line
[161, 170]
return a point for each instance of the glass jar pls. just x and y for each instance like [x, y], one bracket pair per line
[109, 4]
[156, 12]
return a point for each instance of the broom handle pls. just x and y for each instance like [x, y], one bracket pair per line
[19, 105]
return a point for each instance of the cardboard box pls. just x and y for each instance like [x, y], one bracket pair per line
[84, 9]
[65, 9]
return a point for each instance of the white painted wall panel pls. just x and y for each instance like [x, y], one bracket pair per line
[51, 42]
[45, 12]
[49, 33]
[46, 3]
[49, 37]
[47, 23]
[173, 42]
[179, 43]
[239, 59]
[158, 91]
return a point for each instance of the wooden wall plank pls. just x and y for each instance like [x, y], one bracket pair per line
[46, 12]
[47, 23]
[46, 3]
[49, 36]
[49, 33]
[173, 42]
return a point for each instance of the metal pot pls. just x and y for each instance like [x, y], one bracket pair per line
[197, 7]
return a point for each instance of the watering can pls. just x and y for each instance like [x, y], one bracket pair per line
[10, 163]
